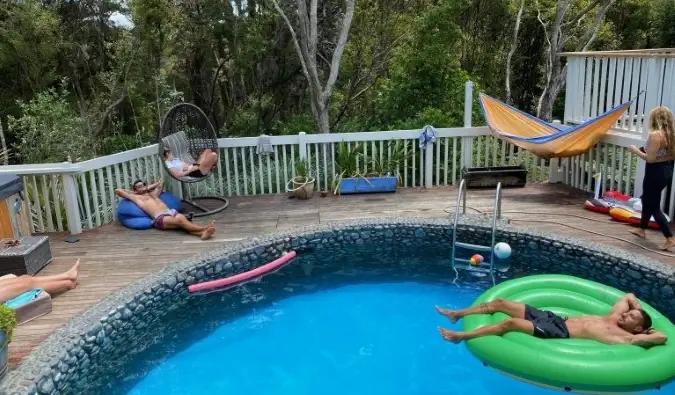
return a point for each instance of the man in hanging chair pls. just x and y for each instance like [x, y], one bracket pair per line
[146, 197]
[202, 168]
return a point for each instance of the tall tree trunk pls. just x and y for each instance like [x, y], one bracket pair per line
[306, 48]
[3, 142]
[514, 46]
[556, 72]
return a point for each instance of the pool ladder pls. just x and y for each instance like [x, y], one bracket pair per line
[464, 263]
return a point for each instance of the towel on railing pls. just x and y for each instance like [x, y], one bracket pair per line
[24, 298]
[428, 135]
[265, 146]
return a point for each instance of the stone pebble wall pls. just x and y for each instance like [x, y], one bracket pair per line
[71, 358]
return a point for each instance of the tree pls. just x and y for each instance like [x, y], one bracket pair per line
[307, 46]
[556, 37]
[514, 47]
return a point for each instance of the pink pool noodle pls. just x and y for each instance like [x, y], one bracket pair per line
[242, 277]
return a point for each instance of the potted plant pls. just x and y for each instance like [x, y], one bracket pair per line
[383, 175]
[302, 185]
[7, 325]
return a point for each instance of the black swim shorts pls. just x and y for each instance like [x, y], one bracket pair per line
[546, 324]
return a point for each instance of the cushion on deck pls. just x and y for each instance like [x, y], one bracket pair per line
[131, 216]
[27, 306]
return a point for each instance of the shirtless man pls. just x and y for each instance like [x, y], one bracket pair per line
[626, 323]
[179, 169]
[147, 199]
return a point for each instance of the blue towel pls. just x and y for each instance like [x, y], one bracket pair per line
[428, 135]
[24, 298]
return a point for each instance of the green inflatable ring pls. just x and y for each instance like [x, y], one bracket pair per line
[578, 365]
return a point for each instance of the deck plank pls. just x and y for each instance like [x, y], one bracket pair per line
[113, 256]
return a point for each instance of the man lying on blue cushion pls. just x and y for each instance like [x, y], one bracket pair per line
[146, 197]
[626, 323]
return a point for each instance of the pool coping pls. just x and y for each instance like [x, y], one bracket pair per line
[40, 371]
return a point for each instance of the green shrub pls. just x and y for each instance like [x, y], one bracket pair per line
[7, 322]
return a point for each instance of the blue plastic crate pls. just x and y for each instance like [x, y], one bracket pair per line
[368, 185]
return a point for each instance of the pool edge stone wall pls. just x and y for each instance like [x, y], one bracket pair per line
[70, 354]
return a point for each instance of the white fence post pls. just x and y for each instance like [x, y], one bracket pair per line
[467, 142]
[554, 170]
[72, 207]
[639, 176]
[429, 165]
[302, 143]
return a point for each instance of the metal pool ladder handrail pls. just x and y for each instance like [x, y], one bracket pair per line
[461, 198]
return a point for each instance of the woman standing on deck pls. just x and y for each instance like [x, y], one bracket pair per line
[659, 153]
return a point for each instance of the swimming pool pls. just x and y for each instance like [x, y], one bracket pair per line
[354, 313]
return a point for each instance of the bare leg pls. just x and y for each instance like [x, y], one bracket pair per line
[509, 325]
[512, 309]
[207, 160]
[14, 287]
[180, 222]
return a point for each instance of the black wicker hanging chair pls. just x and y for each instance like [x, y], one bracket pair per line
[187, 132]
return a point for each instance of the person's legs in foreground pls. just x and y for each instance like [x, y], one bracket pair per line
[13, 287]
[516, 323]
[207, 160]
[181, 222]
[651, 206]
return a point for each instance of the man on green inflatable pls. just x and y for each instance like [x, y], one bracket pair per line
[626, 323]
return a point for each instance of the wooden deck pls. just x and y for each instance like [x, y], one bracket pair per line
[113, 256]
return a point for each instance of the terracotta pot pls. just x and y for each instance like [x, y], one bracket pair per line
[303, 190]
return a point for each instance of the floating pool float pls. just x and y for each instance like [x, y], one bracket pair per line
[609, 199]
[241, 278]
[625, 214]
[579, 365]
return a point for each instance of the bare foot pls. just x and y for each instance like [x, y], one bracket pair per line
[670, 243]
[72, 274]
[74, 271]
[450, 335]
[639, 233]
[448, 313]
[208, 232]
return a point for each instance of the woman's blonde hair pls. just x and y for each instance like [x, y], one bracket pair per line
[661, 118]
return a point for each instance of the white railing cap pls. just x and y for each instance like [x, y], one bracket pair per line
[637, 53]
[41, 168]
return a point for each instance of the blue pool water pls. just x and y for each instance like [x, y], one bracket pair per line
[331, 330]
[357, 339]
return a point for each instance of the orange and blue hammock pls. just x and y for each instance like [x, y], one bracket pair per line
[542, 138]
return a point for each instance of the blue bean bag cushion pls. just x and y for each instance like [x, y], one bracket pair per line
[131, 216]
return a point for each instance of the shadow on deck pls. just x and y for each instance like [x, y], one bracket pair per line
[113, 256]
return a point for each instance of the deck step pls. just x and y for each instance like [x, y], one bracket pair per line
[476, 247]
[463, 263]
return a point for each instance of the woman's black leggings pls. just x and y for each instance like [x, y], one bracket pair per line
[657, 176]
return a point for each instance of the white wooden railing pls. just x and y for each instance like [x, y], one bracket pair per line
[599, 81]
[76, 196]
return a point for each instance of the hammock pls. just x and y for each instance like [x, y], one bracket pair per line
[542, 138]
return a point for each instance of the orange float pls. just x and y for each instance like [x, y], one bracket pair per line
[624, 214]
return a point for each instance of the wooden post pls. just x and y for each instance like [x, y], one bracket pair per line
[554, 169]
[467, 142]
[302, 143]
[72, 207]
[428, 165]
[640, 170]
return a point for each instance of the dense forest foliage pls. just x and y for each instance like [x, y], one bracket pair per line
[84, 78]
